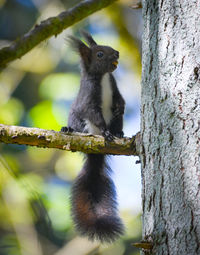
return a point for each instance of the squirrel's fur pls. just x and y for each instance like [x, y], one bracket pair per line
[98, 109]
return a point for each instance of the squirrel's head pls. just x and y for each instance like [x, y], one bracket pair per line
[95, 59]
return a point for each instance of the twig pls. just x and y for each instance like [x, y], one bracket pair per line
[71, 141]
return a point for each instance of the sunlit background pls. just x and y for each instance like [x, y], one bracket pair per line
[37, 91]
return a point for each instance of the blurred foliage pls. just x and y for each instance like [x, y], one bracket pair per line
[60, 86]
[11, 112]
[42, 115]
[37, 90]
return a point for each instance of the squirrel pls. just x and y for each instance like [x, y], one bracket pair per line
[98, 109]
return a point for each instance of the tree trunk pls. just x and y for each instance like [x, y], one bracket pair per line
[170, 126]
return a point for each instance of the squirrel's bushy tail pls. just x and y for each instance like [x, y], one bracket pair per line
[94, 206]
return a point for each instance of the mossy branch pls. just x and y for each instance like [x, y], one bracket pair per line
[86, 143]
[47, 28]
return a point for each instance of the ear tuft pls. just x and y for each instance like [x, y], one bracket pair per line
[88, 38]
[75, 43]
[83, 50]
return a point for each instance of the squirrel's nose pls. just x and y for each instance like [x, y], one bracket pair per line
[116, 54]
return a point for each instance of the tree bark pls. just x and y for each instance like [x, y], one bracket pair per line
[170, 126]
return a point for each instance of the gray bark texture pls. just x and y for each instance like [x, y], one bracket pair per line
[170, 126]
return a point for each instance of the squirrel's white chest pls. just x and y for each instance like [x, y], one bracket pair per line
[106, 104]
[106, 98]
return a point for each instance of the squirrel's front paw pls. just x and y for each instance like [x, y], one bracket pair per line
[119, 134]
[107, 135]
[67, 129]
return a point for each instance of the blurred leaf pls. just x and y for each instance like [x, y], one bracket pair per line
[12, 163]
[38, 60]
[42, 116]
[32, 184]
[40, 155]
[133, 223]
[19, 212]
[18, 217]
[60, 86]
[15, 197]
[9, 80]
[11, 112]
[61, 112]
[116, 248]
[10, 245]
[68, 165]
[2, 2]
[59, 209]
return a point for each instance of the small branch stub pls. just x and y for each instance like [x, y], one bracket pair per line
[136, 5]
[144, 245]
[86, 143]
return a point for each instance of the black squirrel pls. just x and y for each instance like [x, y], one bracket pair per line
[98, 109]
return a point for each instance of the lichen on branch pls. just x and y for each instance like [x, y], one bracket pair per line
[86, 143]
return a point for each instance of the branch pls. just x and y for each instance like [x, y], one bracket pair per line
[51, 26]
[86, 143]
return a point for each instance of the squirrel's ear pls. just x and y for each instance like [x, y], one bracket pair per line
[81, 48]
[88, 38]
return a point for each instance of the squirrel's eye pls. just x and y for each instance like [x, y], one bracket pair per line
[100, 54]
